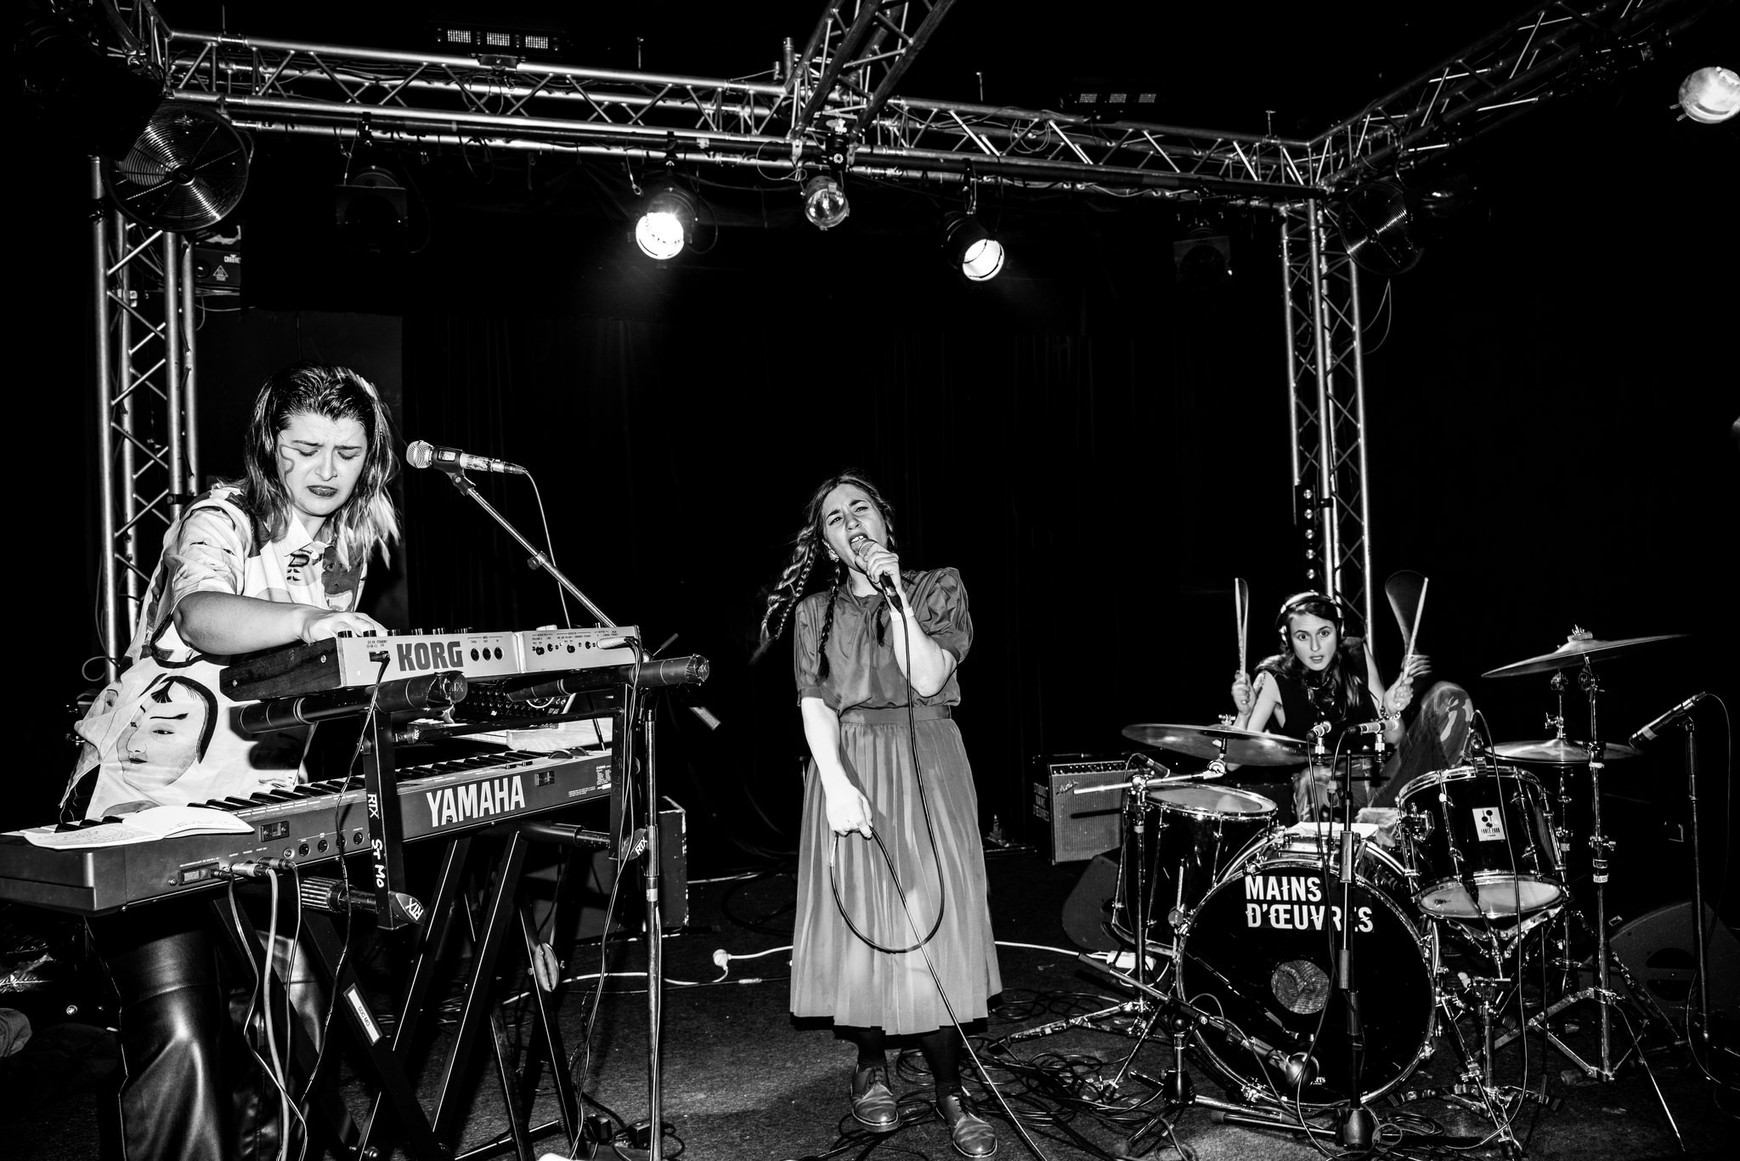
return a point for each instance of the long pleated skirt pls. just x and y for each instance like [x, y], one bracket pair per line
[887, 974]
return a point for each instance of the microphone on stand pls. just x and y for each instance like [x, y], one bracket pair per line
[1648, 733]
[860, 548]
[1151, 766]
[423, 454]
[1365, 728]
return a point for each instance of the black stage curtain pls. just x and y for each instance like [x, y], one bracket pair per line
[1085, 498]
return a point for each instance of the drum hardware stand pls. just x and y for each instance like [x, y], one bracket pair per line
[1604, 1068]
[1476, 1075]
[1134, 1017]
[1606, 999]
[1177, 1087]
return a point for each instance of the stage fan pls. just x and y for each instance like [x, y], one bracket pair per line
[186, 171]
[1377, 228]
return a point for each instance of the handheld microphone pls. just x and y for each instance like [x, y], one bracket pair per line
[424, 454]
[860, 548]
[1648, 733]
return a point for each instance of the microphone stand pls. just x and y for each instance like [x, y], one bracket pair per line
[539, 558]
[1358, 1124]
[651, 853]
[1691, 732]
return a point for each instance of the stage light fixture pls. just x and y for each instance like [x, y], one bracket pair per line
[970, 248]
[667, 224]
[1203, 258]
[825, 203]
[1710, 95]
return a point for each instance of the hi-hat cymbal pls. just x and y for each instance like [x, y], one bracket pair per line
[1559, 752]
[1573, 652]
[1246, 747]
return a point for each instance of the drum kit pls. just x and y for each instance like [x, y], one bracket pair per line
[1250, 929]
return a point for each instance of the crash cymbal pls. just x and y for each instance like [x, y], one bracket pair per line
[1246, 747]
[1560, 752]
[1573, 652]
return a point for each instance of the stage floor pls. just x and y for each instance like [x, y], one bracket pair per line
[738, 1080]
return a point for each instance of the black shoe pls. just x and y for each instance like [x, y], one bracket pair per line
[970, 1133]
[872, 1103]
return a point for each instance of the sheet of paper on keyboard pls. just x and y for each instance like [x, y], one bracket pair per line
[148, 825]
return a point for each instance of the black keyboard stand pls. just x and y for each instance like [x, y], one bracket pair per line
[391, 1057]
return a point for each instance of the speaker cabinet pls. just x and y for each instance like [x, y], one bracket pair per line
[1082, 818]
[1658, 949]
[1087, 913]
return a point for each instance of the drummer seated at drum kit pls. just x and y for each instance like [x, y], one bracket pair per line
[1323, 682]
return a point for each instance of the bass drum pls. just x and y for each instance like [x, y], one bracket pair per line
[1260, 952]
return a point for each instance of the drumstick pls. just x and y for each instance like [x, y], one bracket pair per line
[1241, 614]
[1414, 630]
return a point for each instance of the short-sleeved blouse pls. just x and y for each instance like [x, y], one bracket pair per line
[163, 731]
[863, 674]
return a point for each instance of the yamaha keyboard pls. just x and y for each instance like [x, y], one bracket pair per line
[350, 662]
[306, 825]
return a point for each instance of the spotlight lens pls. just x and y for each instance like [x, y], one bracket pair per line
[825, 203]
[659, 234]
[983, 259]
[1710, 96]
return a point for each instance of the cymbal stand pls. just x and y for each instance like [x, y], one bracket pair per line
[1606, 999]
[1133, 1017]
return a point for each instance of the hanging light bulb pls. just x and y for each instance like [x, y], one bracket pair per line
[825, 203]
[1710, 96]
[970, 248]
[665, 226]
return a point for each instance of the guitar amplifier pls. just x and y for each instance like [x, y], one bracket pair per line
[1081, 825]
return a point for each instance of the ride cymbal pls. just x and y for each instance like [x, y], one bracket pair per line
[1246, 747]
[1574, 652]
[1559, 752]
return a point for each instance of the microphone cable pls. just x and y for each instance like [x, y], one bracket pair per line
[876, 834]
[900, 893]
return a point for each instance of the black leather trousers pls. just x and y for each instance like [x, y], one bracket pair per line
[191, 1089]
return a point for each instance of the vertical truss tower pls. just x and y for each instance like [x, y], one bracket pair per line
[1326, 389]
[147, 457]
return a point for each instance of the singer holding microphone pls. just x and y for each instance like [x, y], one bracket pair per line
[892, 912]
[275, 558]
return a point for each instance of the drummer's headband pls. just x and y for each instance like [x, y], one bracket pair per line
[1292, 605]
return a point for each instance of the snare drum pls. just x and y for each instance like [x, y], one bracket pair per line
[1188, 836]
[1260, 952]
[1480, 843]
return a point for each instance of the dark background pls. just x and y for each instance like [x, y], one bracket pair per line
[1099, 449]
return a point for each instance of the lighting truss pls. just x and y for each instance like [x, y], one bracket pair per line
[1326, 387]
[291, 86]
[147, 458]
[1548, 52]
[842, 83]
[849, 67]
[845, 76]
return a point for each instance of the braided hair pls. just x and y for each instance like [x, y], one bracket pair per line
[807, 546]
